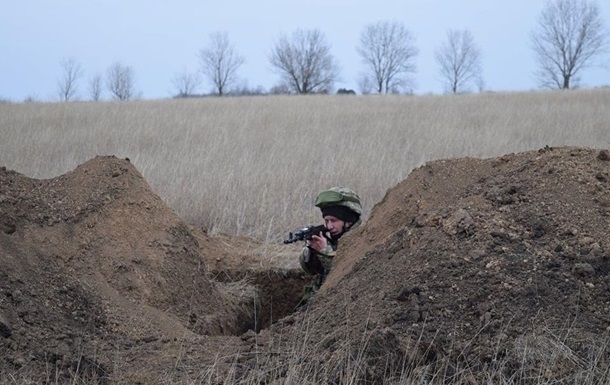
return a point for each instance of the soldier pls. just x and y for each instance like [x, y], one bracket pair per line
[341, 210]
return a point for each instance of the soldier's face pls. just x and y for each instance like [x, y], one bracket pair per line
[334, 225]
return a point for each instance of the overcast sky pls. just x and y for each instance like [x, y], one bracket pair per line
[159, 38]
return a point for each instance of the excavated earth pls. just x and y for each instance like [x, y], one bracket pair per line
[469, 268]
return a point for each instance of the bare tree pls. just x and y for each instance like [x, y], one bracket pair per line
[459, 60]
[120, 81]
[365, 84]
[280, 88]
[186, 83]
[304, 62]
[220, 62]
[95, 87]
[68, 82]
[388, 52]
[243, 89]
[568, 38]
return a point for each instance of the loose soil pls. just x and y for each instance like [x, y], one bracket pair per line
[462, 265]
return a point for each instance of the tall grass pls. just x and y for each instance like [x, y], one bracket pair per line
[550, 353]
[543, 356]
[252, 165]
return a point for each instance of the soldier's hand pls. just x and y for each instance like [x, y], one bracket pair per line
[318, 242]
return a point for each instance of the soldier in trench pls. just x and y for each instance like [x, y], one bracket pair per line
[341, 210]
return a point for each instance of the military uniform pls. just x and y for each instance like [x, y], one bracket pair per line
[318, 263]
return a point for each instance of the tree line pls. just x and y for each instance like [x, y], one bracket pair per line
[569, 36]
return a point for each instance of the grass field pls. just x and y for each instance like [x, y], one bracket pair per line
[253, 165]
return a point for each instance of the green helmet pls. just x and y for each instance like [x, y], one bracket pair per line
[339, 196]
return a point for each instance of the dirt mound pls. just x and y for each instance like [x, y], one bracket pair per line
[460, 266]
[467, 262]
[93, 263]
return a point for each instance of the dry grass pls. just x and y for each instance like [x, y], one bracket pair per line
[543, 357]
[252, 165]
[544, 360]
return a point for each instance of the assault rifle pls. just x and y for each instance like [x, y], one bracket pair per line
[305, 233]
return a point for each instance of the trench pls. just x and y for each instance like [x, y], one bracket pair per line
[276, 294]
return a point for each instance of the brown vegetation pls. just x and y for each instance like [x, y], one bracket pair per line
[251, 166]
